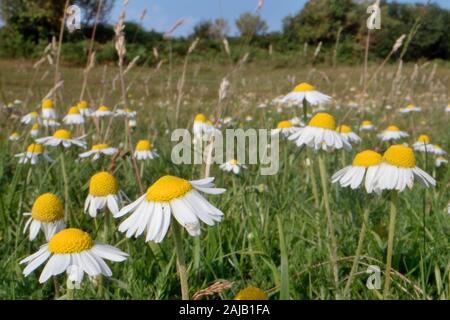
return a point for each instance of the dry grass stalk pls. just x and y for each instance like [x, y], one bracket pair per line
[215, 288]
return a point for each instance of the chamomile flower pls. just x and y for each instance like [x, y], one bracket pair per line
[102, 111]
[398, 170]
[34, 132]
[75, 252]
[50, 123]
[14, 136]
[84, 109]
[31, 118]
[132, 123]
[366, 125]
[232, 166]
[169, 196]
[99, 150]
[73, 117]
[392, 133]
[320, 133]
[62, 137]
[363, 168]
[410, 108]
[33, 154]
[305, 91]
[440, 161]
[286, 128]
[447, 108]
[47, 214]
[348, 134]
[251, 293]
[144, 150]
[437, 150]
[423, 144]
[48, 110]
[200, 125]
[126, 113]
[103, 191]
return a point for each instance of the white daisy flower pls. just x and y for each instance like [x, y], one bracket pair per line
[103, 192]
[423, 144]
[392, 133]
[232, 166]
[447, 108]
[31, 118]
[48, 110]
[364, 168]
[437, 150]
[99, 150]
[74, 117]
[398, 170]
[33, 154]
[47, 214]
[410, 108]
[440, 161]
[130, 114]
[144, 150]
[200, 126]
[14, 136]
[305, 91]
[84, 109]
[50, 123]
[62, 137]
[286, 128]
[132, 123]
[366, 125]
[169, 196]
[320, 133]
[348, 134]
[34, 132]
[102, 111]
[73, 251]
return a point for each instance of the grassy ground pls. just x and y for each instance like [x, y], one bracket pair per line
[272, 236]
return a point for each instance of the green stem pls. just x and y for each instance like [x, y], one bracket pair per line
[359, 247]
[392, 216]
[333, 246]
[181, 263]
[305, 111]
[66, 185]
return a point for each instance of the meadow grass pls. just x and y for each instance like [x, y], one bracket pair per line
[273, 236]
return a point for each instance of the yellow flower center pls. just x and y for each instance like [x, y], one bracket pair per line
[143, 145]
[99, 146]
[410, 106]
[35, 148]
[323, 120]
[70, 240]
[83, 105]
[103, 108]
[367, 123]
[251, 293]
[304, 87]
[74, 110]
[344, 129]
[367, 158]
[168, 188]
[423, 138]
[392, 128]
[47, 104]
[103, 184]
[14, 135]
[47, 208]
[284, 124]
[62, 134]
[34, 114]
[400, 156]
[35, 126]
[233, 162]
[200, 118]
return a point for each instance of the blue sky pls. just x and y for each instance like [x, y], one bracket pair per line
[162, 14]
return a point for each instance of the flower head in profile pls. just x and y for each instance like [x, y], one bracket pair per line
[84, 109]
[440, 161]
[103, 192]
[34, 152]
[62, 137]
[200, 125]
[73, 251]
[98, 150]
[47, 214]
[171, 196]
[31, 118]
[363, 169]
[305, 91]
[251, 293]
[232, 166]
[410, 108]
[320, 133]
[48, 110]
[348, 134]
[126, 112]
[392, 133]
[102, 111]
[14, 136]
[34, 132]
[286, 128]
[437, 150]
[447, 108]
[398, 170]
[74, 116]
[144, 151]
[50, 123]
[366, 125]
